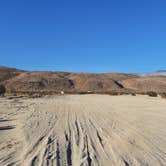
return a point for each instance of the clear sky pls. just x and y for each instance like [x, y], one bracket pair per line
[83, 35]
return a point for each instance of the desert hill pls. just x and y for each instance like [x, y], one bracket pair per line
[8, 73]
[146, 83]
[16, 80]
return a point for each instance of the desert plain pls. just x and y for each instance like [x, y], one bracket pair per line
[83, 130]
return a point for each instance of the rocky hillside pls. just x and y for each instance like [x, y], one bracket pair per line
[146, 83]
[23, 81]
[8, 73]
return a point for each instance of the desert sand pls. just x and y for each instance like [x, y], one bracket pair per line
[87, 130]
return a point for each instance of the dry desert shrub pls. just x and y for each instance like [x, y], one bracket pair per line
[163, 95]
[152, 94]
[2, 89]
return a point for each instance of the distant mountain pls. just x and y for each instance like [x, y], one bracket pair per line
[157, 73]
[161, 72]
[16, 81]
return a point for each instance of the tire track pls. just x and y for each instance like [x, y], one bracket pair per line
[90, 130]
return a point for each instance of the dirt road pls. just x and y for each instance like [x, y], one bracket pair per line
[87, 130]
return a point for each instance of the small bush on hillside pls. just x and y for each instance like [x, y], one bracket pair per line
[152, 94]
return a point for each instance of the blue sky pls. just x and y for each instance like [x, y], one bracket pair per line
[83, 36]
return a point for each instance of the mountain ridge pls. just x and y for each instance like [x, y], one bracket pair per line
[16, 81]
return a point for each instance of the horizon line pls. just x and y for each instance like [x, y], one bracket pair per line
[81, 72]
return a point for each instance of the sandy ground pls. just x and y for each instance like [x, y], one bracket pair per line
[87, 130]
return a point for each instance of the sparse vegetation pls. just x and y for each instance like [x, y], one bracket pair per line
[84, 93]
[163, 95]
[114, 93]
[2, 89]
[152, 94]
